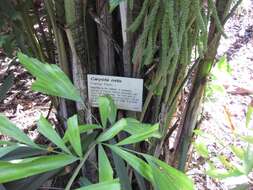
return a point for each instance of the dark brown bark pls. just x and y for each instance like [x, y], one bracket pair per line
[106, 50]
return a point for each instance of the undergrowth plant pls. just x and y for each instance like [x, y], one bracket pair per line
[25, 164]
[220, 73]
[237, 160]
[241, 148]
[167, 43]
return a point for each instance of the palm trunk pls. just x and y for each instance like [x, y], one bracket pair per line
[105, 43]
[65, 109]
[192, 110]
[76, 35]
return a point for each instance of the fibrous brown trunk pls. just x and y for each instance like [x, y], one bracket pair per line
[191, 112]
[106, 50]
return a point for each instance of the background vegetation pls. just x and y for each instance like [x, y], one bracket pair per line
[167, 43]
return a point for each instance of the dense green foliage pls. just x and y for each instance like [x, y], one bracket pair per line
[167, 43]
[73, 147]
[239, 162]
[243, 165]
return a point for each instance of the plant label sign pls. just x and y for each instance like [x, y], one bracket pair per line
[126, 92]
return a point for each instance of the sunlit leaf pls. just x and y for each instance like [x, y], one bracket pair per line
[136, 127]
[113, 131]
[138, 137]
[218, 88]
[112, 111]
[222, 173]
[199, 132]
[223, 65]
[104, 105]
[88, 127]
[107, 110]
[249, 114]
[107, 185]
[201, 149]
[50, 79]
[105, 169]
[12, 170]
[238, 151]
[214, 172]
[9, 129]
[73, 135]
[46, 129]
[224, 160]
[247, 138]
[82, 129]
[248, 160]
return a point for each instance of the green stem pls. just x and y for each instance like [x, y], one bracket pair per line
[145, 107]
[73, 177]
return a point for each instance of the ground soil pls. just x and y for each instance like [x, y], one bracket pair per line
[21, 105]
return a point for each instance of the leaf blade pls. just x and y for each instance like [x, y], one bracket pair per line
[138, 137]
[249, 114]
[173, 175]
[7, 149]
[88, 127]
[103, 104]
[73, 135]
[9, 129]
[113, 131]
[46, 129]
[45, 74]
[201, 149]
[107, 110]
[105, 169]
[138, 164]
[10, 171]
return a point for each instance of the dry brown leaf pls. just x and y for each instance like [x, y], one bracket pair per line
[228, 118]
[241, 91]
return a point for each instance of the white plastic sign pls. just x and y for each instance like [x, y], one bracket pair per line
[126, 92]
